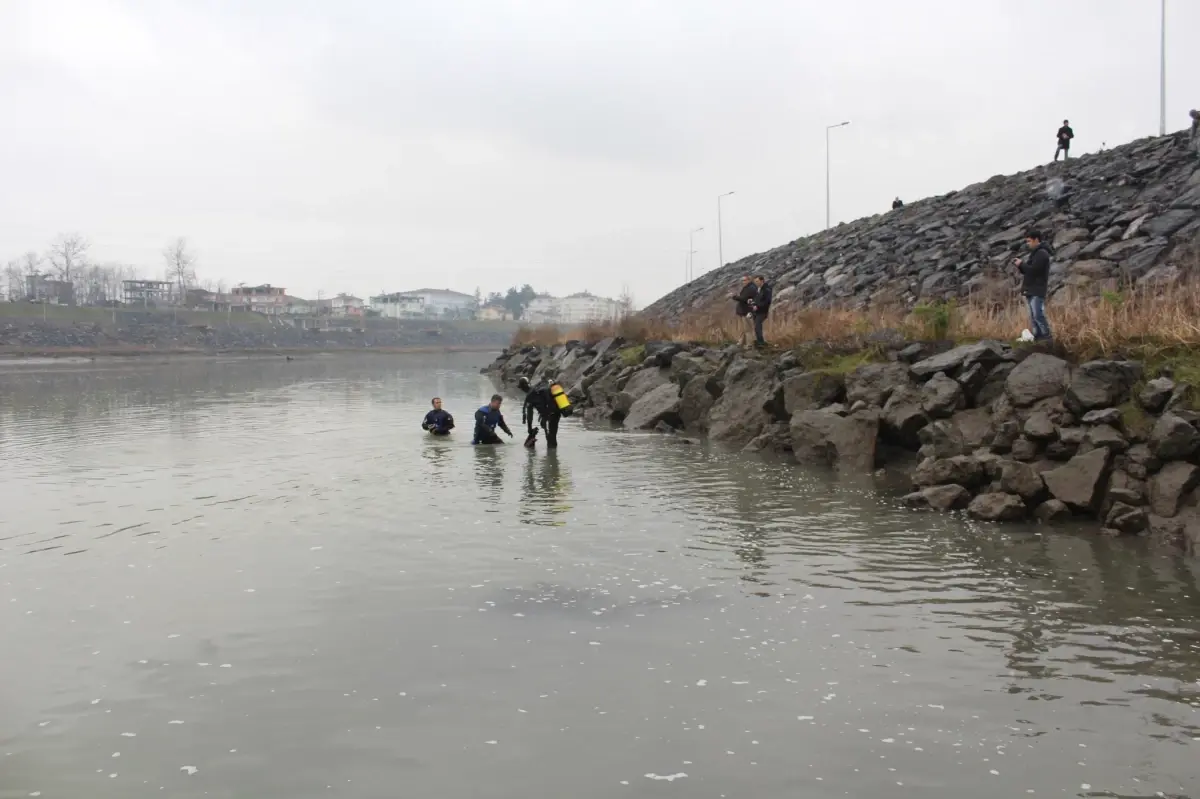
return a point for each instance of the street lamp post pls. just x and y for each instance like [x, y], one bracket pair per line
[720, 249]
[827, 129]
[1162, 71]
[691, 251]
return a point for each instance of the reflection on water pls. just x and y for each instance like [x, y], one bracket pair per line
[260, 578]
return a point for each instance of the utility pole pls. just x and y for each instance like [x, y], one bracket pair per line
[720, 244]
[827, 129]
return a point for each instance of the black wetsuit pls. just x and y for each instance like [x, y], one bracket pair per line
[487, 419]
[541, 401]
[438, 422]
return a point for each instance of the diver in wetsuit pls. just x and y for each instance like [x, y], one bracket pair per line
[541, 401]
[438, 422]
[487, 419]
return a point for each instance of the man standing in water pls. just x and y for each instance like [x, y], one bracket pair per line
[487, 419]
[438, 422]
[742, 309]
[540, 401]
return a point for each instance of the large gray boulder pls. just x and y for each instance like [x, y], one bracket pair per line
[941, 439]
[685, 366]
[695, 402]
[1170, 485]
[873, 383]
[847, 443]
[996, 507]
[942, 396]
[947, 497]
[964, 470]
[1101, 384]
[739, 414]
[1156, 393]
[975, 425]
[1173, 438]
[987, 353]
[1037, 377]
[811, 390]
[644, 381]
[1021, 479]
[1080, 481]
[903, 417]
[658, 405]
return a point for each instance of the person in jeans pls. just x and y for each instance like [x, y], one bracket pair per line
[1035, 275]
[761, 306]
[1065, 134]
[743, 310]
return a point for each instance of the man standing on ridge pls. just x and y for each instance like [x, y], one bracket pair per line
[897, 203]
[487, 419]
[1065, 134]
[1035, 275]
[742, 309]
[1195, 139]
[761, 306]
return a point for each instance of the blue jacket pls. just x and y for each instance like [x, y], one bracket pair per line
[438, 421]
[490, 418]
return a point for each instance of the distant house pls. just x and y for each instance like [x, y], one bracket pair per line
[347, 305]
[146, 293]
[573, 309]
[398, 305]
[445, 303]
[264, 299]
[541, 310]
[494, 312]
[298, 307]
[204, 300]
[43, 288]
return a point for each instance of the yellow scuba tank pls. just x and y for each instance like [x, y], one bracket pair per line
[560, 399]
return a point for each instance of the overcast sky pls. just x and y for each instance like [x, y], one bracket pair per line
[367, 145]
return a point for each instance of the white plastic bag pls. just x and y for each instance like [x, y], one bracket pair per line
[1026, 335]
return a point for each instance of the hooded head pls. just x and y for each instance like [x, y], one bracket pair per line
[523, 384]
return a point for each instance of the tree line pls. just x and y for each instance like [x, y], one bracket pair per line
[67, 259]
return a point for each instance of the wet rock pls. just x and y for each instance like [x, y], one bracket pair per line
[941, 439]
[1109, 416]
[1037, 377]
[1170, 485]
[903, 416]
[1051, 511]
[942, 396]
[1127, 518]
[1173, 438]
[1101, 384]
[1021, 479]
[993, 385]
[963, 470]
[1123, 487]
[1156, 393]
[777, 437]
[1040, 427]
[738, 415]
[811, 390]
[1007, 433]
[661, 404]
[1080, 482]
[976, 427]
[664, 428]
[847, 443]
[943, 498]
[685, 366]
[996, 507]
[694, 404]
[874, 383]
[1024, 449]
[984, 353]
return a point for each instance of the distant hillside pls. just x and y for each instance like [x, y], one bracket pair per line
[1126, 216]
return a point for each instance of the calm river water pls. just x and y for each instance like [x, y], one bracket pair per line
[258, 578]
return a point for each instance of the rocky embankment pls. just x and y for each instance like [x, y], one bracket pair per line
[999, 432]
[1125, 216]
[158, 332]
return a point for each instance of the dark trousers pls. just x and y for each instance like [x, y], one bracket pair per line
[548, 423]
[485, 435]
[1065, 149]
[759, 318]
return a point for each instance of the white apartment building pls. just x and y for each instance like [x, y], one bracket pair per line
[398, 306]
[573, 309]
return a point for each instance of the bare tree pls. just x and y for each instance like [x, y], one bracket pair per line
[180, 266]
[625, 302]
[15, 280]
[31, 263]
[67, 256]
